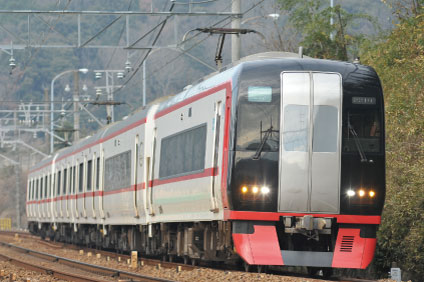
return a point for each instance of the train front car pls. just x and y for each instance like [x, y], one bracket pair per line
[307, 180]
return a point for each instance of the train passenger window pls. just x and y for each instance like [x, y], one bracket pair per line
[89, 173]
[30, 195]
[118, 171]
[65, 181]
[183, 152]
[36, 190]
[46, 185]
[50, 186]
[32, 189]
[73, 179]
[58, 182]
[81, 177]
[41, 188]
[296, 128]
[97, 173]
[325, 129]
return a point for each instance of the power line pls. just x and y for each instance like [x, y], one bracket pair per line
[184, 51]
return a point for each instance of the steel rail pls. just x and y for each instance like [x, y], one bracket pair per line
[74, 263]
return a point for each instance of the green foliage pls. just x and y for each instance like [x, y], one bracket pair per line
[400, 64]
[312, 20]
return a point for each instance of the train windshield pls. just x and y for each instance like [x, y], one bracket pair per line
[362, 131]
[258, 112]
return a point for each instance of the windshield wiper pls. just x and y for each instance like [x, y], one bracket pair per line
[268, 133]
[357, 143]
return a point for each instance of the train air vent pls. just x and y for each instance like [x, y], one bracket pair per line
[347, 244]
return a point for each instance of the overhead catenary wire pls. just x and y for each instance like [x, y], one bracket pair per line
[182, 52]
[32, 56]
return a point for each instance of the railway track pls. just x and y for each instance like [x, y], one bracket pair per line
[158, 264]
[67, 269]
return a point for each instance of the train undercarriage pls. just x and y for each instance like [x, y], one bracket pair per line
[208, 241]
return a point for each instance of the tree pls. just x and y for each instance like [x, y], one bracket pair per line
[320, 38]
[399, 62]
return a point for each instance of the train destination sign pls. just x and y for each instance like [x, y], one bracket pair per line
[363, 100]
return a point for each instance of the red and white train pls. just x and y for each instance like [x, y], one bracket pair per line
[276, 160]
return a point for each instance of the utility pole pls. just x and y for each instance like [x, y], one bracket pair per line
[235, 38]
[46, 115]
[332, 19]
[76, 107]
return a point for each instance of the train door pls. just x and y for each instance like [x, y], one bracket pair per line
[101, 163]
[149, 155]
[310, 142]
[95, 185]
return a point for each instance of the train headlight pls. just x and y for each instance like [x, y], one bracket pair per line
[372, 194]
[265, 190]
[351, 193]
[361, 193]
[244, 189]
[255, 190]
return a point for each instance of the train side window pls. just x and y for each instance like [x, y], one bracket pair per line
[41, 188]
[98, 173]
[59, 174]
[183, 152]
[118, 171]
[29, 193]
[81, 177]
[65, 181]
[50, 186]
[32, 189]
[73, 179]
[36, 189]
[46, 185]
[89, 174]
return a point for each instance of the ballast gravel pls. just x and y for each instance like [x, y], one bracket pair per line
[200, 274]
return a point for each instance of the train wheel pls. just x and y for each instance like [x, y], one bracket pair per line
[186, 259]
[327, 272]
[312, 271]
[261, 268]
[246, 266]
[194, 262]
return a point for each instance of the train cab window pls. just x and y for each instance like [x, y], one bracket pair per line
[65, 181]
[361, 131]
[89, 174]
[81, 177]
[98, 173]
[58, 178]
[258, 113]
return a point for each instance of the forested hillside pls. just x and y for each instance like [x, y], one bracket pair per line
[399, 62]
